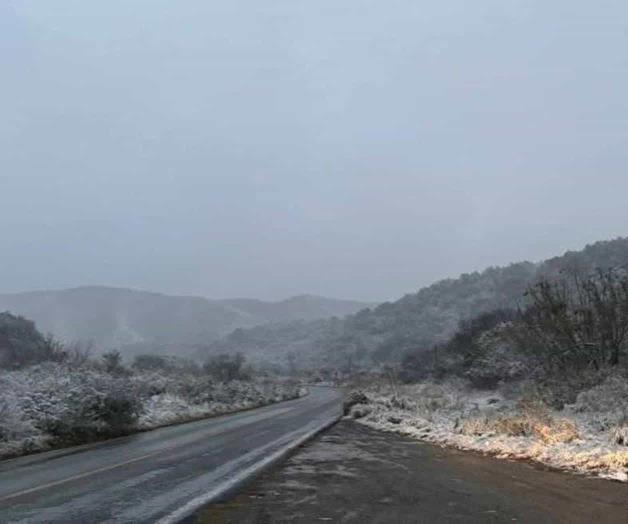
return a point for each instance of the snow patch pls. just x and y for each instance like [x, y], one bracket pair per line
[581, 438]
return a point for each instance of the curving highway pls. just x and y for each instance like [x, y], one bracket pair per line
[162, 475]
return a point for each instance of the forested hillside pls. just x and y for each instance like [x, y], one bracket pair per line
[416, 321]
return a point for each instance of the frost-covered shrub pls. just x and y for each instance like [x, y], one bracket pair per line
[92, 407]
[557, 391]
[526, 423]
[426, 399]
[495, 361]
[117, 410]
[360, 411]
[411, 405]
[13, 423]
[354, 398]
[53, 404]
[609, 396]
[112, 363]
[84, 426]
[435, 397]
[225, 367]
[620, 434]
[605, 406]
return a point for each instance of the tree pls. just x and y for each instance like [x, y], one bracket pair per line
[225, 368]
[150, 362]
[112, 361]
[577, 321]
[21, 344]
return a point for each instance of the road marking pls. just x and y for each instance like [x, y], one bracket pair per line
[131, 461]
[230, 483]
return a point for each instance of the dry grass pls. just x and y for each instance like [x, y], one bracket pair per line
[523, 424]
[474, 426]
[561, 430]
[616, 460]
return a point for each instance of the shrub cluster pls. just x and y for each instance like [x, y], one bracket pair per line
[54, 404]
[52, 395]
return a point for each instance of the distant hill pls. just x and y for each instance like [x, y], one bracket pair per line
[142, 321]
[415, 321]
[301, 307]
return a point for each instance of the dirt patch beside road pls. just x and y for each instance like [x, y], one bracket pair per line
[355, 474]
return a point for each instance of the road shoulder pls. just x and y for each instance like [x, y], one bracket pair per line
[353, 473]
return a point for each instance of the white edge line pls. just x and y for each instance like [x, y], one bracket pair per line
[195, 504]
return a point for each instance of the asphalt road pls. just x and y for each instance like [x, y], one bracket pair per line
[158, 476]
[356, 475]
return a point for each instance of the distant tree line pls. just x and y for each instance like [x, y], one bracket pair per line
[22, 345]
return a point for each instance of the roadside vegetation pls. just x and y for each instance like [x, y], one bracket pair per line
[53, 395]
[528, 361]
[547, 381]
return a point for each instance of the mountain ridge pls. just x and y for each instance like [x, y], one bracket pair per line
[417, 320]
[137, 320]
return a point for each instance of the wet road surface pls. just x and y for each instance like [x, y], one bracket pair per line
[150, 477]
[354, 474]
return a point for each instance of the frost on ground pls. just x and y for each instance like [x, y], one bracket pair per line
[588, 436]
[51, 405]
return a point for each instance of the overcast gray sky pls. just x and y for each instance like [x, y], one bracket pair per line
[353, 148]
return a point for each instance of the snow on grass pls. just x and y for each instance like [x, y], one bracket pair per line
[52, 405]
[587, 437]
[168, 408]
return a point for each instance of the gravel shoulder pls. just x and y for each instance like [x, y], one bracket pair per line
[356, 474]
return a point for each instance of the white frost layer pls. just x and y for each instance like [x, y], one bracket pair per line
[453, 415]
[39, 402]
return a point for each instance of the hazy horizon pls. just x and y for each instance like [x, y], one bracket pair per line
[357, 150]
[297, 295]
[151, 291]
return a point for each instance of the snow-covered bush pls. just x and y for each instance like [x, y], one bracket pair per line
[588, 436]
[604, 407]
[70, 405]
[354, 398]
[608, 397]
[620, 434]
[360, 411]
[495, 360]
[92, 414]
[13, 423]
[53, 404]
[545, 428]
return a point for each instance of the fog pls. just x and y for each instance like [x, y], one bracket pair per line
[354, 149]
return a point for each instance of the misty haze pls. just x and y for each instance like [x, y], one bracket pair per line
[304, 261]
